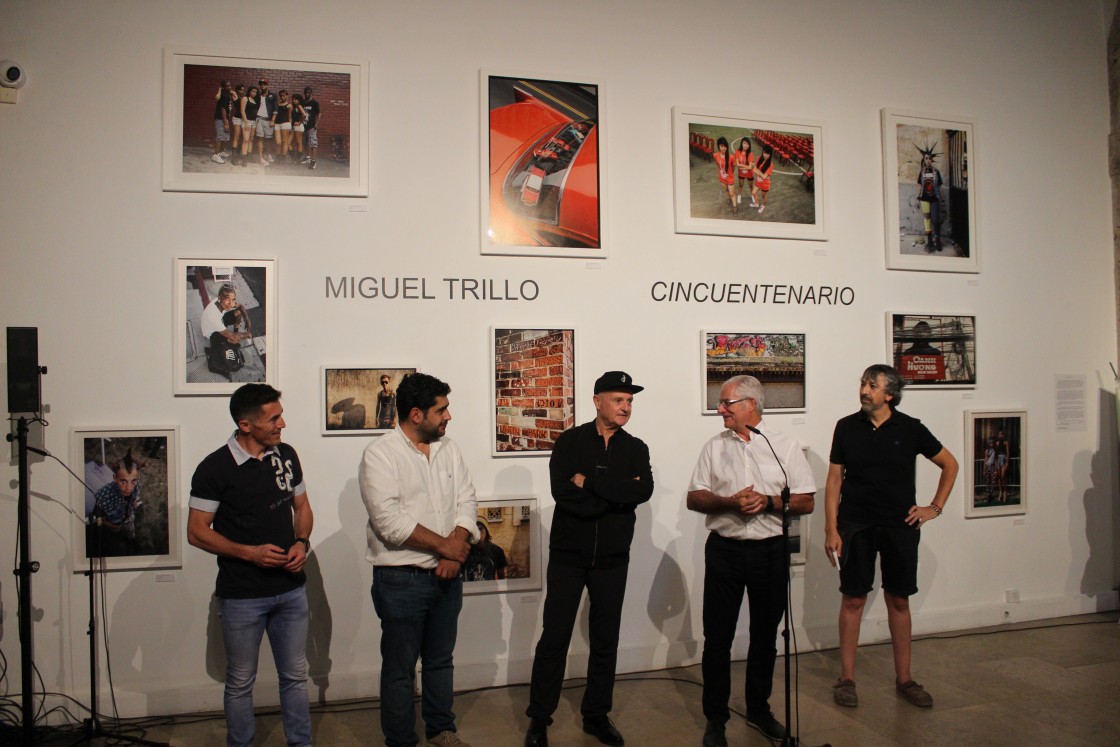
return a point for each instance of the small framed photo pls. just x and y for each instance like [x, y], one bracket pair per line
[542, 166]
[225, 324]
[264, 125]
[360, 401]
[933, 351]
[534, 383]
[776, 359]
[508, 555]
[929, 189]
[995, 472]
[129, 504]
[736, 175]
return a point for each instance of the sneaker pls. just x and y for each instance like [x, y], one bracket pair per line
[217, 158]
[754, 204]
[224, 154]
[914, 694]
[767, 725]
[311, 163]
[447, 739]
[740, 199]
[270, 158]
[844, 693]
[714, 735]
[761, 208]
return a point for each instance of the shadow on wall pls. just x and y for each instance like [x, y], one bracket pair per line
[1102, 514]
[669, 606]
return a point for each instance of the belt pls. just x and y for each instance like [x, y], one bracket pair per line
[720, 537]
[414, 569]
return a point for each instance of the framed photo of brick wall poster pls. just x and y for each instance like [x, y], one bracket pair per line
[359, 401]
[995, 469]
[776, 359]
[542, 165]
[533, 373]
[929, 192]
[775, 185]
[242, 123]
[225, 324]
[933, 351]
[508, 555]
[130, 509]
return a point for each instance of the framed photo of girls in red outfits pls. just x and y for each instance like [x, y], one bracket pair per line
[264, 125]
[929, 191]
[737, 175]
[542, 170]
[994, 466]
[128, 498]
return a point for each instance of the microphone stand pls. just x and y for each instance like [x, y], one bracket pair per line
[23, 573]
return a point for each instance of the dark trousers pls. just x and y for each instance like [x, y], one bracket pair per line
[730, 568]
[605, 588]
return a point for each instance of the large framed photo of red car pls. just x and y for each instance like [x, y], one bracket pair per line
[739, 175]
[933, 351]
[542, 173]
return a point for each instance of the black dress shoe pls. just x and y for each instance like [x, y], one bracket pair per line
[537, 736]
[602, 729]
[768, 725]
[714, 734]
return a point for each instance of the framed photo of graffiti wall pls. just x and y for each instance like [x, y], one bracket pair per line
[533, 372]
[543, 166]
[508, 554]
[217, 137]
[776, 359]
[225, 324]
[129, 503]
[360, 401]
[933, 351]
[995, 469]
[774, 187]
[929, 192]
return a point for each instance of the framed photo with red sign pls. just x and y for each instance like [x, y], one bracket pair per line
[933, 351]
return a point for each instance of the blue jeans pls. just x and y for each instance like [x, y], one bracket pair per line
[419, 620]
[244, 623]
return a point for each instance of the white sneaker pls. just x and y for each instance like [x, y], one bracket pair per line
[224, 154]
[740, 198]
[754, 204]
[216, 158]
[271, 159]
[761, 209]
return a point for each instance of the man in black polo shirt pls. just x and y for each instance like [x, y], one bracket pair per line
[870, 509]
[249, 507]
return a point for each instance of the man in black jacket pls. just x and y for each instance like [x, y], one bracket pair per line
[600, 474]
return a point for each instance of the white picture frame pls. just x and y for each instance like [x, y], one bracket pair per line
[514, 525]
[995, 486]
[533, 385]
[776, 359]
[933, 351]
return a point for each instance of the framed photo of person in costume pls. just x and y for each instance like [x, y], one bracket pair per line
[739, 175]
[225, 324]
[995, 470]
[129, 502]
[360, 401]
[290, 125]
[533, 372]
[776, 359]
[929, 192]
[507, 556]
[933, 351]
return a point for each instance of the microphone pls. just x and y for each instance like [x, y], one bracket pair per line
[785, 477]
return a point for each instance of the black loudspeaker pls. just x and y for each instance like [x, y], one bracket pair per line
[23, 370]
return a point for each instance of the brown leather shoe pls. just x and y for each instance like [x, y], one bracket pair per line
[914, 694]
[844, 693]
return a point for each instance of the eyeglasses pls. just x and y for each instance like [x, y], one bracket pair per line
[726, 403]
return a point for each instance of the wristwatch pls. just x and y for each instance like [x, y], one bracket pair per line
[306, 543]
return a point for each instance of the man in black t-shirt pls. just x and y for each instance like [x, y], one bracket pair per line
[223, 106]
[310, 132]
[870, 509]
[249, 507]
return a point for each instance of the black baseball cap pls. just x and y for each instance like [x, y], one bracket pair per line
[616, 381]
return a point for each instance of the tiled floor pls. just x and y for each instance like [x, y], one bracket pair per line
[1053, 682]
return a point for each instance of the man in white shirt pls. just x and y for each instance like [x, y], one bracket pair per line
[422, 521]
[738, 483]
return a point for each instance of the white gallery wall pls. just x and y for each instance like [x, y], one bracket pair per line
[87, 242]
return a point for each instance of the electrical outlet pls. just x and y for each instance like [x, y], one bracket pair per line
[7, 95]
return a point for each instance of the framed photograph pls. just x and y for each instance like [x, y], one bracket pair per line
[508, 557]
[264, 125]
[130, 509]
[995, 473]
[225, 324]
[360, 401]
[534, 382]
[735, 175]
[542, 169]
[776, 359]
[933, 351]
[929, 189]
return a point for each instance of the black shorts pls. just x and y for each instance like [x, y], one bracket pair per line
[897, 548]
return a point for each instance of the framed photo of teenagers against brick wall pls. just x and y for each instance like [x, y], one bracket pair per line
[264, 125]
[533, 371]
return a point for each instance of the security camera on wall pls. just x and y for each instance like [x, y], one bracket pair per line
[12, 74]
